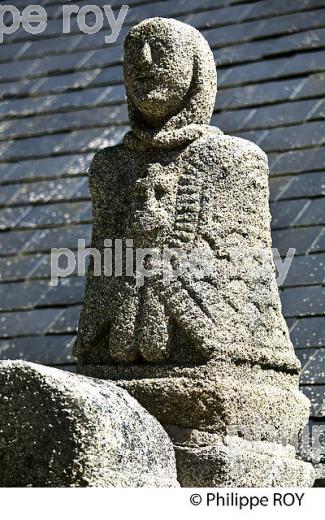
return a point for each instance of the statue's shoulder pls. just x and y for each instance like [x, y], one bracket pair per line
[104, 156]
[106, 163]
[222, 145]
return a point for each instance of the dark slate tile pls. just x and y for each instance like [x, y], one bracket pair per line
[60, 63]
[285, 213]
[46, 191]
[301, 239]
[168, 8]
[103, 57]
[277, 7]
[47, 350]
[297, 161]
[45, 167]
[315, 370]
[92, 139]
[24, 107]
[30, 266]
[24, 3]
[278, 186]
[315, 394]
[306, 270]
[290, 137]
[66, 322]
[314, 213]
[54, 214]
[289, 43]
[61, 44]
[285, 114]
[304, 355]
[23, 323]
[232, 121]
[39, 293]
[77, 141]
[274, 26]
[43, 239]
[309, 332]
[33, 147]
[86, 42]
[304, 185]
[15, 88]
[63, 82]
[313, 86]
[112, 74]
[53, 27]
[6, 171]
[217, 17]
[4, 147]
[68, 291]
[13, 51]
[319, 244]
[101, 116]
[234, 34]
[290, 322]
[11, 217]
[13, 242]
[18, 267]
[86, 97]
[15, 70]
[270, 116]
[259, 94]
[7, 194]
[301, 63]
[303, 301]
[83, 140]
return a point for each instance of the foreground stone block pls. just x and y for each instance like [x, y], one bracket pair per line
[59, 429]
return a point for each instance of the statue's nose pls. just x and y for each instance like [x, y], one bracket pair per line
[145, 55]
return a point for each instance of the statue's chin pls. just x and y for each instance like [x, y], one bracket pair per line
[158, 95]
[152, 102]
[157, 102]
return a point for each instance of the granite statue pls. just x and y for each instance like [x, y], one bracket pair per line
[208, 354]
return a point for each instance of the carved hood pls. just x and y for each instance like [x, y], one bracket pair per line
[192, 120]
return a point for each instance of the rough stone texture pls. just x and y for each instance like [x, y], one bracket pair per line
[59, 429]
[242, 464]
[210, 350]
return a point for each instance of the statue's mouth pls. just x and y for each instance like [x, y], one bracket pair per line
[146, 77]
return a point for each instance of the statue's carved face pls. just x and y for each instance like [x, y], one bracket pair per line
[158, 70]
[153, 201]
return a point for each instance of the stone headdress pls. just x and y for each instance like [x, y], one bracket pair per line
[192, 121]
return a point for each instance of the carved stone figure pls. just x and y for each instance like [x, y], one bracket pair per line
[207, 353]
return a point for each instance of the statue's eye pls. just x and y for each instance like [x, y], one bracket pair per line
[158, 51]
[160, 191]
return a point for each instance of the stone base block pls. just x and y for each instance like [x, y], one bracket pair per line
[215, 396]
[251, 464]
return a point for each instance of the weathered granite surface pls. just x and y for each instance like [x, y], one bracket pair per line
[209, 351]
[59, 429]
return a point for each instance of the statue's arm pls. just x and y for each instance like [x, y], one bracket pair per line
[93, 316]
[234, 198]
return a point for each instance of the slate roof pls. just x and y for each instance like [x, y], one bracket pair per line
[62, 98]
